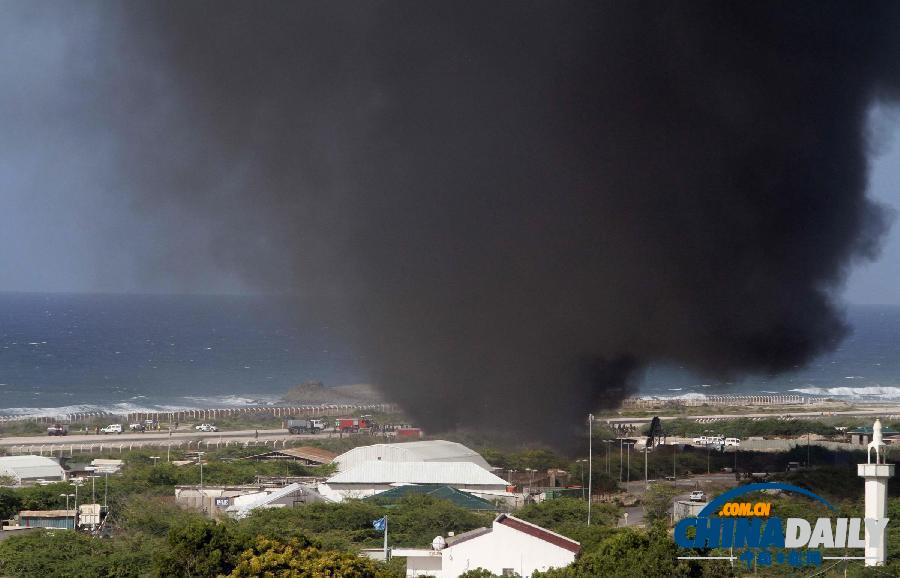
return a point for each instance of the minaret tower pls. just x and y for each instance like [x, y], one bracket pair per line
[876, 475]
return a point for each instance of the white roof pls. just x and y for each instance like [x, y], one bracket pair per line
[452, 473]
[31, 468]
[267, 499]
[424, 451]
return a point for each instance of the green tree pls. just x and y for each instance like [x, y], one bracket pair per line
[10, 503]
[297, 559]
[566, 512]
[199, 548]
[656, 501]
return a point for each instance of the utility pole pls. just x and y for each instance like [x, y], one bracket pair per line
[629, 464]
[385, 537]
[590, 464]
[621, 440]
[646, 479]
[807, 450]
[674, 471]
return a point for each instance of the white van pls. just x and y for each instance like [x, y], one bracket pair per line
[733, 442]
[112, 428]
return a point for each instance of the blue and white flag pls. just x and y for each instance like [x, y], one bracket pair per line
[380, 524]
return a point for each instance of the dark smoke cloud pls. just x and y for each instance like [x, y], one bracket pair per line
[519, 205]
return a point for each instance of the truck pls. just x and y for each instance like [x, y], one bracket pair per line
[57, 429]
[353, 424]
[298, 426]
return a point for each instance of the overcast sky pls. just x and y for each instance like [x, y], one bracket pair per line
[63, 230]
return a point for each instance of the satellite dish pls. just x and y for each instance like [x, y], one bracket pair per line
[438, 543]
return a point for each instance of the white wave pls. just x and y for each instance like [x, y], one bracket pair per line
[688, 396]
[234, 400]
[885, 392]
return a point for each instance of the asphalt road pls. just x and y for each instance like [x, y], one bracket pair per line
[873, 411]
[160, 438]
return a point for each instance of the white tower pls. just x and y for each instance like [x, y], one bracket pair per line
[876, 476]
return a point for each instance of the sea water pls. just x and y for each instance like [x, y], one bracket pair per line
[66, 353]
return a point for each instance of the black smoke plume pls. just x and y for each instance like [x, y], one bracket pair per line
[517, 205]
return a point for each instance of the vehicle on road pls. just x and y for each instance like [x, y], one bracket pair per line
[353, 424]
[137, 427]
[57, 429]
[698, 496]
[700, 441]
[298, 426]
[207, 427]
[732, 442]
[115, 428]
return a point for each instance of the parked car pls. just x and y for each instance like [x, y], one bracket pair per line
[57, 430]
[207, 427]
[115, 428]
[732, 442]
[700, 441]
[137, 427]
[698, 496]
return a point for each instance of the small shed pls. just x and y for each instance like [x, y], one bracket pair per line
[861, 436]
[687, 509]
[307, 455]
[55, 519]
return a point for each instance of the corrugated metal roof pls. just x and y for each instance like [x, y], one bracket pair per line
[30, 467]
[388, 472]
[268, 499]
[422, 451]
[305, 453]
[443, 492]
[46, 513]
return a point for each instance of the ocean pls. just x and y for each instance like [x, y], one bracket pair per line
[66, 353]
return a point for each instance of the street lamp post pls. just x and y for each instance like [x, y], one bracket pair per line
[607, 443]
[646, 477]
[621, 441]
[590, 464]
[75, 515]
[674, 471]
[581, 469]
[67, 496]
[628, 468]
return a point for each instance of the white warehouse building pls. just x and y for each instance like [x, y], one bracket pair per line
[29, 469]
[424, 451]
[373, 477]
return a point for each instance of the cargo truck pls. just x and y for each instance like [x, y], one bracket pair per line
[298, 426]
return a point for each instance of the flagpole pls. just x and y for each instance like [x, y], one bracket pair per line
[385, 537]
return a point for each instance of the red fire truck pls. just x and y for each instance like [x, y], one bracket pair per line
[353, 424]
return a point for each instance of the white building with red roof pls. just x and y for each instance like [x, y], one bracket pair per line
[509, 546]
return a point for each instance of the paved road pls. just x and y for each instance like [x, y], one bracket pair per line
[160, 438]
[880, 410]
[684, 485]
